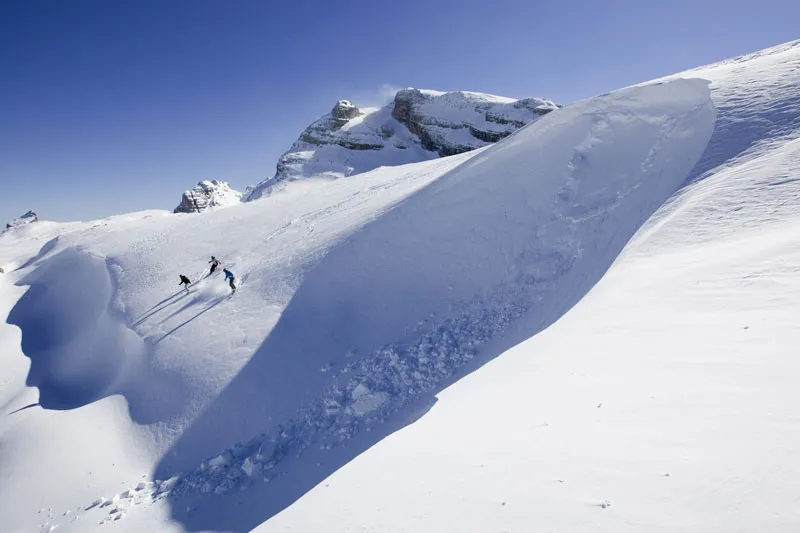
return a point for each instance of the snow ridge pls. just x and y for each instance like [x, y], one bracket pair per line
[545, 264]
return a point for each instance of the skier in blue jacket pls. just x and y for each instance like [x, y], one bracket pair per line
[229, 277]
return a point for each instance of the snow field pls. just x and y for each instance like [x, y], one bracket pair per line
[661, 402]
[492, 250]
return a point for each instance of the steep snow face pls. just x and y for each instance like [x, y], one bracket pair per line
[405, 303]
[207, 195]
[27, 218]
[664, 401]
[416, 126]
[358, 302]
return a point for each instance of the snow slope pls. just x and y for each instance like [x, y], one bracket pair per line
[663, 401]
[362, 299]
[303, 360]
[121, 273]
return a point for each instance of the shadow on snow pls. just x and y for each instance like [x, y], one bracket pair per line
[79, 346]
[450, 287]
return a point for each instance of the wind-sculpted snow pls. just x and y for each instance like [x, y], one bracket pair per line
[377, 317]
[664, 401]
[399, 308]
[745, 176]
[77, 341]
[757, 101]
[363, 298]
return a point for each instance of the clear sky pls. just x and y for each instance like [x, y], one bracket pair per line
[110, 106]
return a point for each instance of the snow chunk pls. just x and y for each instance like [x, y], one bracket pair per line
[145, 486]
[366, 401]
[169, 484]
[222, 460]
[251, 467]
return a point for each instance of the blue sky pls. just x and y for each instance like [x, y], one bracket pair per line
[113, 106]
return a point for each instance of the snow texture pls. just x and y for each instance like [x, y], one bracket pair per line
[643, 386]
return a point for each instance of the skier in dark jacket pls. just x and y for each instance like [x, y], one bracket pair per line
[229, 276]
[214, 264]
[185, 280]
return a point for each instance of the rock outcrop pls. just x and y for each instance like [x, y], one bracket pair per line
[206, 195]
[456, 122]
[27, 218]
[417, 125]
[343, 111]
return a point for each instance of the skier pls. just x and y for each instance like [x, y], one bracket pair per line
[229, 276]
[214, 264]
[185, 280]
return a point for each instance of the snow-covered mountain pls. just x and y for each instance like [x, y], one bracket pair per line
[208, 194]
[417, 125]
[27, 218]
[587, 326]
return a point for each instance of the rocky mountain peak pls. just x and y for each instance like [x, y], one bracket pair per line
[27, 218]
[440, 120]
[417, 125]
[207, 194]
[343, 111]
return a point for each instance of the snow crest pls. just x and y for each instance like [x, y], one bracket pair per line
[449, 272]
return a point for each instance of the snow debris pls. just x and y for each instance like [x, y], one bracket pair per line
[251, 467]
[169, 484]
[146, 486]
[221, 461]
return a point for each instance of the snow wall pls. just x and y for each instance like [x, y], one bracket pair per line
[488, 255]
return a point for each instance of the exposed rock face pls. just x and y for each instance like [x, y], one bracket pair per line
[452, 123]
[343, 111]
[206, 195]
[327, 130]
[418, 125]
[27, 218]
